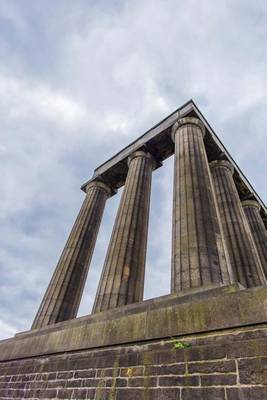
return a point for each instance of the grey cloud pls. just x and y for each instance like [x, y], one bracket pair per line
[78, 81]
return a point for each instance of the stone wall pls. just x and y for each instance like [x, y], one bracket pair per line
[224, 365]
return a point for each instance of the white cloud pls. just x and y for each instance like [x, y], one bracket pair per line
[6, 330]
[21, 101]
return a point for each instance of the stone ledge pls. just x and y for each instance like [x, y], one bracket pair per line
[172, 315]
[150, 304]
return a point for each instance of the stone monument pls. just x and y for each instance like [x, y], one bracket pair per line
[207, 339]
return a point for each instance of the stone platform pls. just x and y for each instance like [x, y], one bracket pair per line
[206, 345]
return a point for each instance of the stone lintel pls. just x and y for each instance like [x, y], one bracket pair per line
[167, 316]
[158, 142]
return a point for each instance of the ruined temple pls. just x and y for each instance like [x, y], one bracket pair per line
[206, 339]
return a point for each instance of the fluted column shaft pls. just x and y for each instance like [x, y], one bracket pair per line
[258, 230]
[62, 298]
[241, 248]
[122, 280]
[198, 252]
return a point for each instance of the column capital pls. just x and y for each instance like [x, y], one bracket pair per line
[144, 154]
[187, 121]
[251, 203]
[101, 185]
[222, 163]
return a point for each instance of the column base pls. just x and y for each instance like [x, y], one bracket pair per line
[164, 317]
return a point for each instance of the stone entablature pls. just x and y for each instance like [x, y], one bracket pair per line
[158, 142]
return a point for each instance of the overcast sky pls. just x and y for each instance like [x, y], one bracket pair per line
[81, 79]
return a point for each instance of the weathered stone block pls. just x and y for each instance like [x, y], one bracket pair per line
[212, 367]
[248, 348]
[247, 393]
[64, 393]
[85, 374]
[203, 394]
[90, 394]
[49, 394]
[163, 394]
[120, 382]
[142, 382]
[253, 371]
[186, 380]
[218, 380]
[64, 375]
[79, 394]
[205, 353]
[135, 371]
[174, 369]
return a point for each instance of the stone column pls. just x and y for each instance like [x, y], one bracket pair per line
[62, 298]
[198, 252]
[241, 248]
[122, 280]
[258, 230]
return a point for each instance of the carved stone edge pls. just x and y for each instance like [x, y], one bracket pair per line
[101, 185]
[251, 203]
[187, 121]
[222, 163]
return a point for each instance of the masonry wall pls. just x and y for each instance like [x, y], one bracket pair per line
[227, 365]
